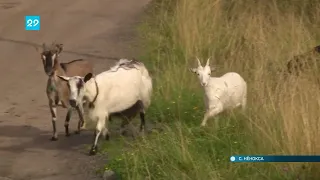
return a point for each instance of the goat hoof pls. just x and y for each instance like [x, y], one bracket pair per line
[54, 138]
[93, 151]
[68, 134]
[77, 132]
[83, 126]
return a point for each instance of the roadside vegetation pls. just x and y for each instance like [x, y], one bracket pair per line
[252, 37]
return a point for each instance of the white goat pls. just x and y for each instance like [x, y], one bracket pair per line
[226, 92]
[111, 92]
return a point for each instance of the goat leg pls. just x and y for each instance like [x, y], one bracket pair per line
[94, 147]
[105, 133]
[133, 130]
[66, 123]
[142, 117]
[81, 122]
[99, 128]
[53, 110]
[143, 122]
[211, 113]
[125, 121]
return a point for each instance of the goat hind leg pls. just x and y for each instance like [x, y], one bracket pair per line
[106, 133]
[244, 103]
[143, 121]
[142, 118]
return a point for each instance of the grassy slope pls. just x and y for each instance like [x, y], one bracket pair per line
[253, 38]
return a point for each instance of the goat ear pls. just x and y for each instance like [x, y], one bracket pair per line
[54, 56]
[87, 77]
[212, 69]
[64, 78]
[194, 70]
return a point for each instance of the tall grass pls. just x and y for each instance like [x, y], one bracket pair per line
[254, 38]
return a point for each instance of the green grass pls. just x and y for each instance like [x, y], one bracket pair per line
[253, 38]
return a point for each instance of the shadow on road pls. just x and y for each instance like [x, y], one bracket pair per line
[29, 137]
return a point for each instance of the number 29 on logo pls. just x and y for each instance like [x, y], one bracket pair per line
[32, 23]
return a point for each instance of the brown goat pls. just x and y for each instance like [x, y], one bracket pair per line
[57, 90]
[304, 61]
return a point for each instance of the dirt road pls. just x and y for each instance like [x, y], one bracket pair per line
[98, 30]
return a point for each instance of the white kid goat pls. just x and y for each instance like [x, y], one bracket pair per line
[111, 92]
[226, 92]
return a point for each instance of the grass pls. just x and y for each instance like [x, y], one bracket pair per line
[253, 38]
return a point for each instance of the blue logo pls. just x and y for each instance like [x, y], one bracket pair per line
[32, 23]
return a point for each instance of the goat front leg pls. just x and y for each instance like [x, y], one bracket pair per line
[133, 129]
[211, 112]
[66, 123]
[81, 122]
[53, 111]
[99, 128]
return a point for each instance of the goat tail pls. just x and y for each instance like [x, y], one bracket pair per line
[146, 90]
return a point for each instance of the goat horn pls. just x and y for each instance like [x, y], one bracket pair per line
[199, 63]
[44, 46]
[208, 62]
